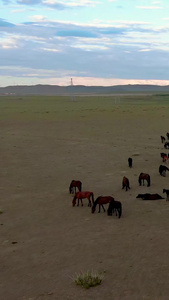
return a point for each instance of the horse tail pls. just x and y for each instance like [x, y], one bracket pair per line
[92, 197]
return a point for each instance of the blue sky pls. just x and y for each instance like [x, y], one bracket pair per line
[102, 42]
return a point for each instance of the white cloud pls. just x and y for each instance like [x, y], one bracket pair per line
[149, 7]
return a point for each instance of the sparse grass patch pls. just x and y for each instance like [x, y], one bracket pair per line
[88, 279]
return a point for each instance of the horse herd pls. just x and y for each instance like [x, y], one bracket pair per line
[116, 206]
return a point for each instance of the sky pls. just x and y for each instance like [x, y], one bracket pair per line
[94, 42]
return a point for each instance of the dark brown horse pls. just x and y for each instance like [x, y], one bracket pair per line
[82, 195]
[100, 201]
[75, 184]
[142, 177]
[115, 206]
[125, 183]
[148, 196]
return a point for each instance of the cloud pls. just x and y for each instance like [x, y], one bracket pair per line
[59, 5]
[5, 24]
[149, 7]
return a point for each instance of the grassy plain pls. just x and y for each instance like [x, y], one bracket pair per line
[45, 143]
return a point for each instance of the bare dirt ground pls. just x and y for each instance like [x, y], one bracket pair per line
[45, 143]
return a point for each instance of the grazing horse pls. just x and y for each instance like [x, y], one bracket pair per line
[83, 195]
[162, 139]
[142, 177]
[130, 162]
[115, 206]
[167, 194]
[75, 184]
[125, 183]
[148, 196]
[162, 170]
[166, 145]
[100, 201]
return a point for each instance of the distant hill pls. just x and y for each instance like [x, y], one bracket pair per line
[81, 89]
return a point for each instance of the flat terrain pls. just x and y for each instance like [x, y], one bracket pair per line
[45, 143]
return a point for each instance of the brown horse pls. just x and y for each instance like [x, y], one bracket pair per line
[75, 184]
[142, 177]
[100, 201]
[83, 195]
[125, 183]
[148, 196]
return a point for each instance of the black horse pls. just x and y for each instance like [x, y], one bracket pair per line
[162, 139]
[167, 194]
[148, 196]
[166, 145]
[130, 162]
[115, 206]
[162, 170]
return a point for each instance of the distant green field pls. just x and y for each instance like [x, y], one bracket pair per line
[56, 107]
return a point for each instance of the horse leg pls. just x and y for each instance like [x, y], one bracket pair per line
[103, 207]
[81, 202]
[99, 208]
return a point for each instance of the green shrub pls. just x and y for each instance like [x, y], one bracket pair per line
[88, 279]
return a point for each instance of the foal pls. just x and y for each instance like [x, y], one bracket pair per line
[125, 183]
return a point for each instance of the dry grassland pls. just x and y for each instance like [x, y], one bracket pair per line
[47, 142]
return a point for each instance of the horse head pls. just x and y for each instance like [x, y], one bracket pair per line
[74, 200]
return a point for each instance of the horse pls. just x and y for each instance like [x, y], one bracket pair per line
[164, 156]
[148, 196]
[125, 183]
[83, 195]
[166, 145]
[167, 134]
[130, 162]
[142, 177]
[162, 139]
[100, 201]
[162, 170]
[115, 206]
[167, 194]
[75, 184]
